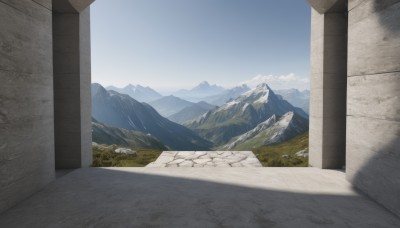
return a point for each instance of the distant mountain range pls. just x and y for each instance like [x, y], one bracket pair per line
[104, 134]
[138, 92]
[170, 105]
[122, 111]
[226, 95]
[204, 89]
[191, 112]
[272, 131]
[234, 119]
[242, 115]
[296, 98]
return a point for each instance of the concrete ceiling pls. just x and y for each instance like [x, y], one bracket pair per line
[325, 6]
[71, 6]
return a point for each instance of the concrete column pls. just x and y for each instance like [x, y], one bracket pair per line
[328, 86]
[373, 112]
[72, 78]
[26, 99]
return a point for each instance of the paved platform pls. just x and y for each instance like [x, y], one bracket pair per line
[199, 197]
[206, 159]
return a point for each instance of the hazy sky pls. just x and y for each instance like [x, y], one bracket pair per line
[170, 44]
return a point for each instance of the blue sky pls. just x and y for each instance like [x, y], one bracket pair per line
[172, 44]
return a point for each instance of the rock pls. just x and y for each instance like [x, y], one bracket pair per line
[237, 164]
[125, 151]
[177, 161]
[285, 156]
[202, 161]
[302, 153]
[186, 164]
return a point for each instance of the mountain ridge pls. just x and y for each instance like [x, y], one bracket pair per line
[272, 131]
[104, 134]
[138, 92]
[122, 111]
[241, 115]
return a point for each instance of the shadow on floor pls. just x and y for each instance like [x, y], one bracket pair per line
[98, 197]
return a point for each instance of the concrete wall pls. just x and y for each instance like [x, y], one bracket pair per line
[373, 112]
[26, 99]
[41, 104]
[72, 78]
[328, 87]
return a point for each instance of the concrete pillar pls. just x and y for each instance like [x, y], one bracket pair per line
[26, 100]
[72, 78]
[373, 112]
[328, 85]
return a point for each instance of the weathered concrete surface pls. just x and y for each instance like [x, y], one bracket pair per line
[373, 140]
[328, 89]
[26, 100]
[327, 6]
[71, 6]
[376, 96]
[72, 78]
[206, 159]
[374, 31]
[199, 197]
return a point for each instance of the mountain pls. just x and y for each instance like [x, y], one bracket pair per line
[122, 111]
[272, 131]
[226, 95]
[170, 105]
[138, 92]
[104, 134]
[241, 115]
[204, 89]
[191, 112]
[297, 98]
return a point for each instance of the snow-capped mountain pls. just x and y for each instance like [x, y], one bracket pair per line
[272, 131]
[138, 92]
[170, 105]
[242, 114]
[226, 95]
[204, 89]
[122, 111]
[296, 98]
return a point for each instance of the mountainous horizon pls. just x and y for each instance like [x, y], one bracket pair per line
[191, 112]
[122, 111]
[241, 115]
[203, 89]
[226, 95]
[245, 119]
[169, 105]
[138, 92]
[300, 99]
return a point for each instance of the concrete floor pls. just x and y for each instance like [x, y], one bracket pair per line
[199, 197]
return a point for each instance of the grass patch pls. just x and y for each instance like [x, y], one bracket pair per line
[284, 154]
[104, 156]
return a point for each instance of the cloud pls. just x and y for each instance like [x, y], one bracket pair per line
[280, 82]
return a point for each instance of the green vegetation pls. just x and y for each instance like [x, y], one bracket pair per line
[104, 156]
[284, 154]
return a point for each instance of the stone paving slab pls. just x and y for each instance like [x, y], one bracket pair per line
[206, 159]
